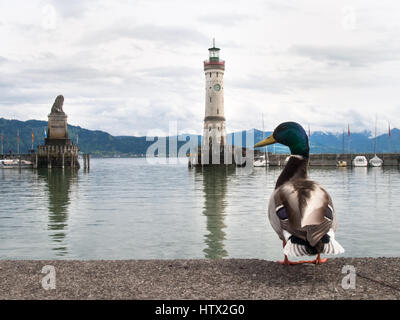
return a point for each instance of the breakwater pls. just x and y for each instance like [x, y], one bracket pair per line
[330, 159]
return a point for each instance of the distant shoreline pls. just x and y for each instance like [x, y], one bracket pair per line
[102, 143]
[376, 278]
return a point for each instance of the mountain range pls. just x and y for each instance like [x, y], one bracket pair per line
[100, 143]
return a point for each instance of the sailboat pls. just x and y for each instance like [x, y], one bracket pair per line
[263, 160]
[342, 163]
[375, 161]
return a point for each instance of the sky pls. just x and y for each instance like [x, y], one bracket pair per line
[134, 67]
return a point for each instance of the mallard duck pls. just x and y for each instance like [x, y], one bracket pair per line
[300, 210]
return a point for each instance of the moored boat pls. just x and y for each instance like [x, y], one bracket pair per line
[261, 162]
[360, 161]
[341, 163]
[376, 161]
[14, 163]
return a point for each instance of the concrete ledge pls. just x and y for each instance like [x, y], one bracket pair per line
[200, 279]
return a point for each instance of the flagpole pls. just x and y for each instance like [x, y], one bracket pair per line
[2, 146]
[18, 142]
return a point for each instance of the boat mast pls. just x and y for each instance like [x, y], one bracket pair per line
[375, 135]
[343, 143]
[348, 138]
[266, 147]
[389, 137]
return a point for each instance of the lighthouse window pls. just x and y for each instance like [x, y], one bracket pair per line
[210, 74]
[217, 74]
[217, 111]
[209, 128]
[210, 99]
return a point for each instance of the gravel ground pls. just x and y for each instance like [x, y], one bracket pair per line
[376, 278]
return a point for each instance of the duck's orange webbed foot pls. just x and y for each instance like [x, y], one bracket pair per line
[319, 260]
[287, 262]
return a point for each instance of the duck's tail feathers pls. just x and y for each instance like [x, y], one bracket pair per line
[333, 247]
[294, 249]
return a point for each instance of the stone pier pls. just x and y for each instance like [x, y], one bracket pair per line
[220, 155]
[58, 150]
[58, 156]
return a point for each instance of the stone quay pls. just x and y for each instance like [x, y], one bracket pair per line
[58, 151]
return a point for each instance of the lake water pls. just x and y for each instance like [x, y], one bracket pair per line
[130, 209]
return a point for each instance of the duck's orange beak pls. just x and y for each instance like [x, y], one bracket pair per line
[266, 142]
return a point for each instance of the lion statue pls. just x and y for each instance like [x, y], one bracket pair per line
[58, 105]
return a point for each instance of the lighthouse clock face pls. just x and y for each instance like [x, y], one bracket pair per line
[217, 87]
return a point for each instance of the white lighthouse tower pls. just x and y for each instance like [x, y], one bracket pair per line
[214, 121]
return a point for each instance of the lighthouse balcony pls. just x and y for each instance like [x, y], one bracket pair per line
[209, 64]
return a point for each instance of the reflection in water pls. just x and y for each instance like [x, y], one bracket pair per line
[58, 183]
[360, 171]
[116, 215]
[214, 187]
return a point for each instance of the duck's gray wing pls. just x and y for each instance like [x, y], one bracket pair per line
[274, 218]
[303, 209]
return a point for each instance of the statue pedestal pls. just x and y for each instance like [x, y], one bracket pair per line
[58, 128]
[57, 133]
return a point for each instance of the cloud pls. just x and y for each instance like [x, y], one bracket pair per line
[131, 67]
[226, 19]
[165, 35]
[281, 6]
[72, 8]
[355, 56]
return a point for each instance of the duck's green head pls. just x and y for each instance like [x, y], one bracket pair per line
[290, 134]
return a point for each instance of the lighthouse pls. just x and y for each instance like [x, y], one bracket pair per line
[214, 132]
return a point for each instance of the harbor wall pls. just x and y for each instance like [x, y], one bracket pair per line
[330, 159]
[323, 159]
